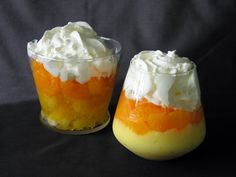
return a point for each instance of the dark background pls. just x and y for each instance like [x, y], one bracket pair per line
[203, 30]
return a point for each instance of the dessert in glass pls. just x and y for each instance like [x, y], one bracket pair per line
[74, 71]
[159, 114]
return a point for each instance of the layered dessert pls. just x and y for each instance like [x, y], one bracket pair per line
[159, 114]
[74, 72]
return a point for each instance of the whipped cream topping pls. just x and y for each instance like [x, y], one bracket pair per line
[73, 51]
[163, 79]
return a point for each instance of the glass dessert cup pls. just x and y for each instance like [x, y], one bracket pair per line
[71, 107]
[159, 132]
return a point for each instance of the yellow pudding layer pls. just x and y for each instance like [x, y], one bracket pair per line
[156, 145]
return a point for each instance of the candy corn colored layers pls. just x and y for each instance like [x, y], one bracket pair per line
[156, 132]
[70, 105]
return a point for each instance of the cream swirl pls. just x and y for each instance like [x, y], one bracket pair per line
[66, 52]
[163, 79]
[163, 63]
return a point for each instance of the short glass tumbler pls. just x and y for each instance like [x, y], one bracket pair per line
[160, 131]
[71, 107]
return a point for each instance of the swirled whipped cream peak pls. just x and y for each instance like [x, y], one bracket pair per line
[163, 63]
[69, 48]
[164, 79]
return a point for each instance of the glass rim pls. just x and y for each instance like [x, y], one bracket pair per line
[156, 73]
[117, 47]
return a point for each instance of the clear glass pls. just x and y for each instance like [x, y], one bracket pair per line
[163, 124]
[69, 106]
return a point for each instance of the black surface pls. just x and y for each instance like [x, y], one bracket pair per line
[203, 30]
[29, 149]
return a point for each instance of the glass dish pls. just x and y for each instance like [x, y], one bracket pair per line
[160, 132]
[71, 107]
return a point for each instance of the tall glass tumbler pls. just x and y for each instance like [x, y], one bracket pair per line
[71, 107]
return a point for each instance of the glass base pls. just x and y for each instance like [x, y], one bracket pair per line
[45, 122]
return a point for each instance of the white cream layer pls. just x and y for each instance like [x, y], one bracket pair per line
[163, 79]
[73, 48]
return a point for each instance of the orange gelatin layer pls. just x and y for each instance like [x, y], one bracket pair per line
[142, 116]
[73, 106]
